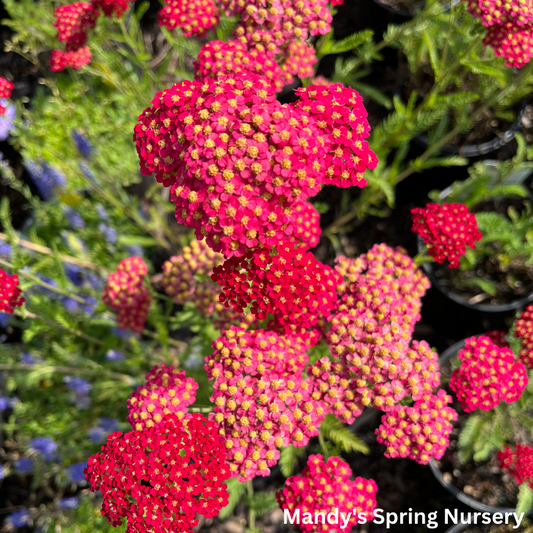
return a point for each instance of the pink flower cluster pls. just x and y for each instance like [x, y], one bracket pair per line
[237, 161]
[341, 118]
[260, 399]
[305, 222]
[284, 281]
[60, 60]
[524, 330]
[126, 293]
[509, 26]
[5, 92]
[159, 479]
[488, 375]
[324, 486]
[194, 17]
[299, 60]
[420, 432]
[186, 278]
[447, 230]
[218, 59]
[167, 391]
[10, 294]
[519, 462]
[498, 337]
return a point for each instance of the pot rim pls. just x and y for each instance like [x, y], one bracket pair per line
[408, 14]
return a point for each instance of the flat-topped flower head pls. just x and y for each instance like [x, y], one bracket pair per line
[194, 17]
[111, 7]
[341, 118]
[75, 59]
[447, 230]
[514, 43]
[73, 22]
[421, 432]
[167, 391]
[300, 59]
[326, 485]
[518, 461]
[305, 221]
[500, 12]
[160, 479]
[6, 87]
[261, 402]
[284, 281]
[10, 294]
[218, 59]
[487, 376]
[236, 159]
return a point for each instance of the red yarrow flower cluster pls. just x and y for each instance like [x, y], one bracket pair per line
[447, 230]
[160, 479]
[487, 376]
[73, 23]
[111, 7]
[167, 391]
[284, 281]
[10, 294]
[420, 432]
[218, 59]
[498, 337]
[5, 88]
[300, 59]
[126, 293]
[237, 160]
[324, 486]
[524, 330]
[341, 118]
[305, 221]
[194, 17]
[60, 60]
[509, 28]
[261, 402]
[519, 462]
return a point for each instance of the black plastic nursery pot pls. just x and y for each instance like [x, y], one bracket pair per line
[407, 14]
[459, 494]
[459, 528]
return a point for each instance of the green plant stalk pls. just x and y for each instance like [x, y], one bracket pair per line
[322, 442]
[251, 512]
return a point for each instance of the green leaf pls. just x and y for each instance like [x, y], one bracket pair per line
[338, 433]
[433, 54]
[130, 240]
[451, 161]
[485, 285]
[384, 186]
[373, 93]
[347, 44]
[236, 491]
[261, 502]
[525, 499]
[289, 459]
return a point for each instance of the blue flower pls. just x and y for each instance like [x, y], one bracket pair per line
[75, 472]
[122, 333]
[77, 384]
[2, 472]
[94, 280]
[74, 219]
[45, 178]
[68, 503]
[5, 250]
[108, 424]
[6, 120]
[19, 518]
[114, 355]
[97, 434]
[73, 306]
[102, 212]
[24, 465]
[29, 359]
[85, 148]
[5, 403]
[44, 445]
[74, 273]
[135, 250]
[4, 319]
[109, 233]
[87, 172]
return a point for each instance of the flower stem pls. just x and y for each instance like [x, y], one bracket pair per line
[422, 256]
[322, 442]
[251, 511]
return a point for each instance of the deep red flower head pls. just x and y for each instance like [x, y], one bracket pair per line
[60, 60]
[487, 376]
[519, 462]
[73, 22]
[159, 479]
[5, 88]
[218, 59]
[514, 43]
[498, 337]
[284, 281]
[341, 118]
[110, 7]
[194, 17]
[324, 486]
[126, 293]
[10, 294]
[305, 221]
[167, 391]
[524, 330]
[447, 229]
[420, 432]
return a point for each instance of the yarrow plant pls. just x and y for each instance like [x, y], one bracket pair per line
[524, 330]
[488, 375]
[518, 461]
[10, 294]
[446, 230]
[324, 485]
